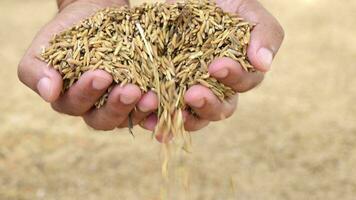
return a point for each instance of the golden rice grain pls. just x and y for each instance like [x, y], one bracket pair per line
[165, 48]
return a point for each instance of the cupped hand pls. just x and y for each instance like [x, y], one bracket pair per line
[266, 39]
[81, 97]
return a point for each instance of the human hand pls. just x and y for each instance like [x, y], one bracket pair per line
[81, 97]
[266, 39]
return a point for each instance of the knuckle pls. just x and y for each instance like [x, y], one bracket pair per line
[196, 126]
[279, 31]
[97, 125]
[249, 83]
[84, 97]
[58, 107]
[124, 124]
[21, 70]
[116, 115]
[212, 112]
[217, 116]
[243, 87]
[230, 111]
[258, 80]
[136, 121]
[207, 113]
[117, 111]
[124, 121]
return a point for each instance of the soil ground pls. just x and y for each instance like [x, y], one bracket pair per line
[294, 137]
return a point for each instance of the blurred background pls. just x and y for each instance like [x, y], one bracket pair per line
[294, 137]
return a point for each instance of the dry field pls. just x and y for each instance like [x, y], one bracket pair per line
[292, 138]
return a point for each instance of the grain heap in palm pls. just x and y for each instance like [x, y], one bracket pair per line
[165, 48]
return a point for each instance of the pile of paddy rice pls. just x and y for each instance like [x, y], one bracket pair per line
[165, 48]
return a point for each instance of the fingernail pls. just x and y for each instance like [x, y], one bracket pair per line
[198, 103]
[127, 99]
[143, 108]
[100, 83]
[221, 73]
[44, 88]
[266, 57]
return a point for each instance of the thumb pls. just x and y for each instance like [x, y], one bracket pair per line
[266, 37]
[35, 73]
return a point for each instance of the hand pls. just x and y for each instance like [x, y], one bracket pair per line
[266, 38]
[81, 97]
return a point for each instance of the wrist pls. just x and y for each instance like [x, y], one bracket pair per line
[105, 3]
[64, 3]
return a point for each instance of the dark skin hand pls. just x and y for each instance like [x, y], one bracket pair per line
[266, 39]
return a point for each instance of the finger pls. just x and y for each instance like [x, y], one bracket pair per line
[84, 93]
[120, 103]
[193, 123]
[267, 35]
[40, 78]
[147, 104]
[207, 105]
[230, 73]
